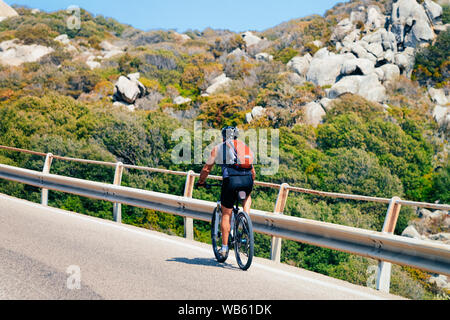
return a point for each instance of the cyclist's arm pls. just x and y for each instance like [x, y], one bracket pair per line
[253, 173]
[208, 167]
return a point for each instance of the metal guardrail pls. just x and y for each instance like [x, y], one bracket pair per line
[382, 246]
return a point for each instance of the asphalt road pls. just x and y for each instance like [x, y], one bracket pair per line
[48, 253]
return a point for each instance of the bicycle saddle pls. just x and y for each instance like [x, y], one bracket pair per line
[242, 195]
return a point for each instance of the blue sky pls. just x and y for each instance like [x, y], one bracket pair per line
[235, 15]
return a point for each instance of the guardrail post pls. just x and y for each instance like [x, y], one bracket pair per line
[188, 189]
[384, 268]
[117, 207]
[46, 169]
[275, 251]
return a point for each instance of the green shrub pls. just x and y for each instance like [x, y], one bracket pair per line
[401, 148]
[128, 64]
[441, 185]
[223, 110]
[110, 24]
[432, 66]
[360, 25]
[285, 55]
[311, 48]
[356, 171]
[446, 14]
[37, 34]
[80, 82]
[192, 78]
[227, 45]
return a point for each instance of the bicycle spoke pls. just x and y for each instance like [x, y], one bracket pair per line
[216, 235]
[243, 241]
[244, 244]
[244, 223]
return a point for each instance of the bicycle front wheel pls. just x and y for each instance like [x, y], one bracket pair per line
[244, 242]
[216, 235]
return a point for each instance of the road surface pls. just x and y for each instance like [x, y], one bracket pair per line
[48, 253]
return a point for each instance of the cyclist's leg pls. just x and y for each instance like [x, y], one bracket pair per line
[247, 204]
[226, 224]
[227, 201]
[248, 188]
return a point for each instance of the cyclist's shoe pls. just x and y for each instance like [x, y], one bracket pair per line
[223, 253]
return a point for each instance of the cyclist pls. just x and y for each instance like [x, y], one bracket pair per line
[235, 178]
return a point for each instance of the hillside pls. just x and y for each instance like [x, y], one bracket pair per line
[360, 97]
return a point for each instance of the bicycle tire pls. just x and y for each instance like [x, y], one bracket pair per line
[216, 236]
[244, 240]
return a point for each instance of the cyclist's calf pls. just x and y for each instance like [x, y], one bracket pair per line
[226, 224]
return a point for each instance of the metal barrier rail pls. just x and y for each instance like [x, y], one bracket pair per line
[23, 151]
[257, 183]
[395, 203]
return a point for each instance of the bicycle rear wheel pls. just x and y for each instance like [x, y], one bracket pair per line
[216, 235]
[244, 242]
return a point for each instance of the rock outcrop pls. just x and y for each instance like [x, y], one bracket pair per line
[441, 111]
[357, 66]
[237, 54]
[325, 67]
[370, 56]
[411, 232]
[438, 96]
[263, 56]
[109, 50]
[411, 24]
[367, 86]
[375, 19]
[181, 100]
[128, 89]
[256, 113]
[342, 29]
[95, 58]
[431, 226]
[182, 36]
[441, 114]
[63, 39]
[313, 113]
[121, 104]
[294, 78]
[217, 83]
[93, 62]
[433, 10]
[6, 11]
[300, 64]
[387, 72]
[326, 104]
[12, 53]
[250, 39]
[405, 61]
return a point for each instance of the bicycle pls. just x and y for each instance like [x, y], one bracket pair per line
[241, 233]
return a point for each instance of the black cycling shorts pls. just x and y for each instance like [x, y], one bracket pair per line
[231, 187]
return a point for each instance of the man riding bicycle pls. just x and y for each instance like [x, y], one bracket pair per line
[238, 175]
